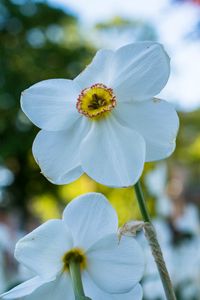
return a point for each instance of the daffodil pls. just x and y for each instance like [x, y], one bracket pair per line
[87, 237]
[106, 122]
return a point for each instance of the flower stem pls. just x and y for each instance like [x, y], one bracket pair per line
[150, 234]
[142, 203]
[75, 273]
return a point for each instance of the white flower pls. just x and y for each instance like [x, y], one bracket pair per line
[105, 122]
[110, 270]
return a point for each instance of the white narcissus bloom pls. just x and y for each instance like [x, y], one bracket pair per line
[106, 122]
[88, 234]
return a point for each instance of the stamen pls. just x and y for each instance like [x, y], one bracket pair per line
[96, 101]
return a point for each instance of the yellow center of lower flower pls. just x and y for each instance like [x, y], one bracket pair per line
[77, 255]
[96, 101]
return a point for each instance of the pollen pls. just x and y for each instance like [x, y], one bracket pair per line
[77, 255]
[96, 101]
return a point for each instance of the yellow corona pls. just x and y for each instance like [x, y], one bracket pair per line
[96, 101]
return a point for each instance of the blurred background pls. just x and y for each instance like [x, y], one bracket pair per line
[57, 39]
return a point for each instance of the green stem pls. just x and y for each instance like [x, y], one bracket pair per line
[150, 234]
[142, 203]
[75, 273]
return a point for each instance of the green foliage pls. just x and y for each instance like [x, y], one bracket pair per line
[187, 152]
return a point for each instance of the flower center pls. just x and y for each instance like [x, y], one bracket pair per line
[96, 101]
[76, 255]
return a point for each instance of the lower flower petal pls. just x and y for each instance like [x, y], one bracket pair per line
[57, 153]
[23, 289]
[90, 217]
[112, 154]
[59, 289]
[116, 267]
[42, 249]
[94, 292]
[156, 120]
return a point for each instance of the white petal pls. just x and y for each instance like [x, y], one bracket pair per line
[90, 217]
[156, 120]
[97, 71]
[51, 104]
[42, 249]
[112, 154]
[94, 292]
[57, 153]
[60, 289]
[23, 289]
[116, 267]
[139, 71]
